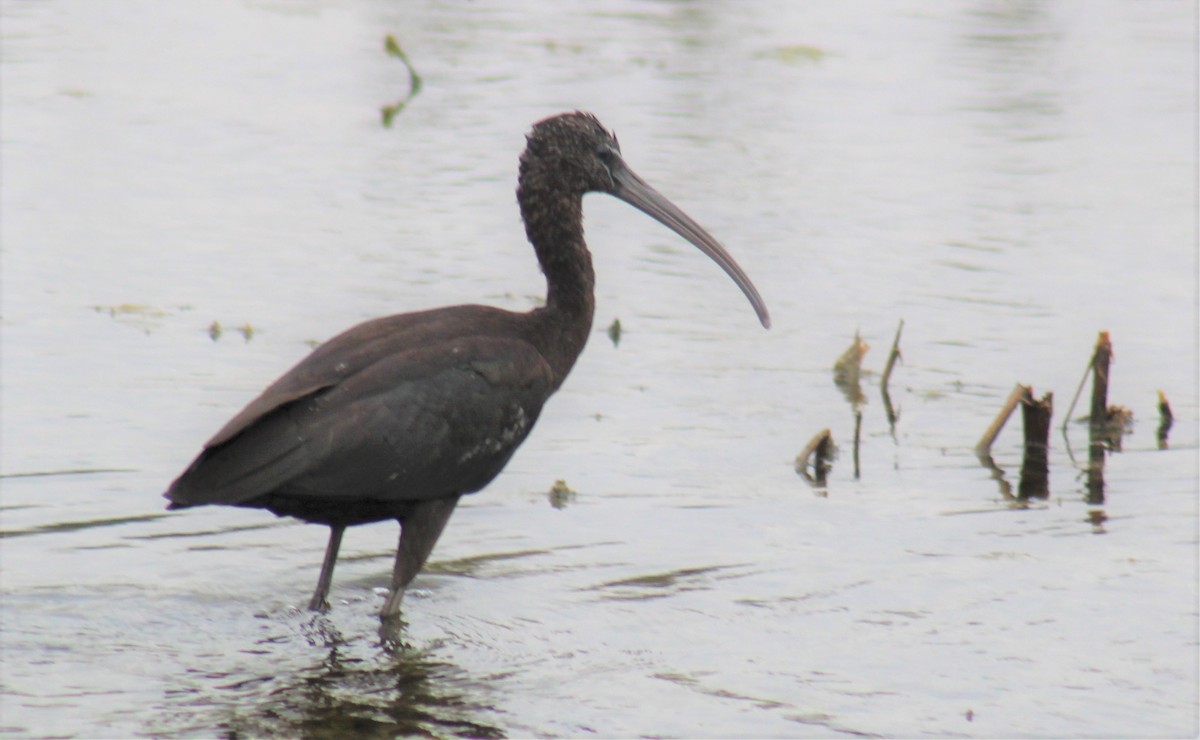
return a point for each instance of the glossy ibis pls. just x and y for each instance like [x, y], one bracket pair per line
[400, 416]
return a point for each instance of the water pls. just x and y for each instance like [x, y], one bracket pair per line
[1008, 178]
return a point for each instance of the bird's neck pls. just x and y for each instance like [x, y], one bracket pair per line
[554, 225]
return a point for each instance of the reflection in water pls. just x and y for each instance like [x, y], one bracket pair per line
[394, 691]
[1095, 474]
[1103, 438]
[986, 460]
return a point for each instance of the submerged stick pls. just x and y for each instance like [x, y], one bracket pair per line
[993, 431]
[887, 374]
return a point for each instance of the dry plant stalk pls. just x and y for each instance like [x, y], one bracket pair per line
[985, 442]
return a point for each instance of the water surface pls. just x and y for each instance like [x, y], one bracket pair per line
[1007, 178]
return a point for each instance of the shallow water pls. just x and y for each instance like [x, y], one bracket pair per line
[1007, 178]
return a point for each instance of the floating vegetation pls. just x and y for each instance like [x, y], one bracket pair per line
[847, 372]
[389, 112]
[555, 47]
[794, 54]
[139, 315]
[215, 330]
[132, 309]
[560, 494]
[614, 332]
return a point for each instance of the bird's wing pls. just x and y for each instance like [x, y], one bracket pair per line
[331, 362]
[414, 423]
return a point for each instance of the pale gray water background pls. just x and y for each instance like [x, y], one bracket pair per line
[1009, 178]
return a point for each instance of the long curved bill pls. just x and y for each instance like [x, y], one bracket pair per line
[637, 193]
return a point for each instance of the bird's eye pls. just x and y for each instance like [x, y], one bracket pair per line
[608, 157]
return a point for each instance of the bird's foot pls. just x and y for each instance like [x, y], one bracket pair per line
[391, 634]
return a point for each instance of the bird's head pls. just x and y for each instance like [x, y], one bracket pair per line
[573, 154]
[577, 151]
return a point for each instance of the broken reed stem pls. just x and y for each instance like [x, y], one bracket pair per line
[892, 357]
[1166, 420]
[993, 431]
[820, 444]
[1100, 362]
[1035, 467]
[887, 374]
[1101, 341]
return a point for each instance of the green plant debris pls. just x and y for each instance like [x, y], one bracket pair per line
[132, 309]
[389, 112]
[794, 54]
[560, 494]
[555, 47]
[614, 332]
[847, 371]
[216, 330]
[139, 315]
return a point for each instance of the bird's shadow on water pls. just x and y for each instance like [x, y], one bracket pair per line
[375, 685]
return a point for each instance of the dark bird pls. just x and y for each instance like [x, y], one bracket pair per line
[400, 416]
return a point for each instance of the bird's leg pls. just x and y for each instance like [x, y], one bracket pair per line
[320, 597]
[419, 532]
